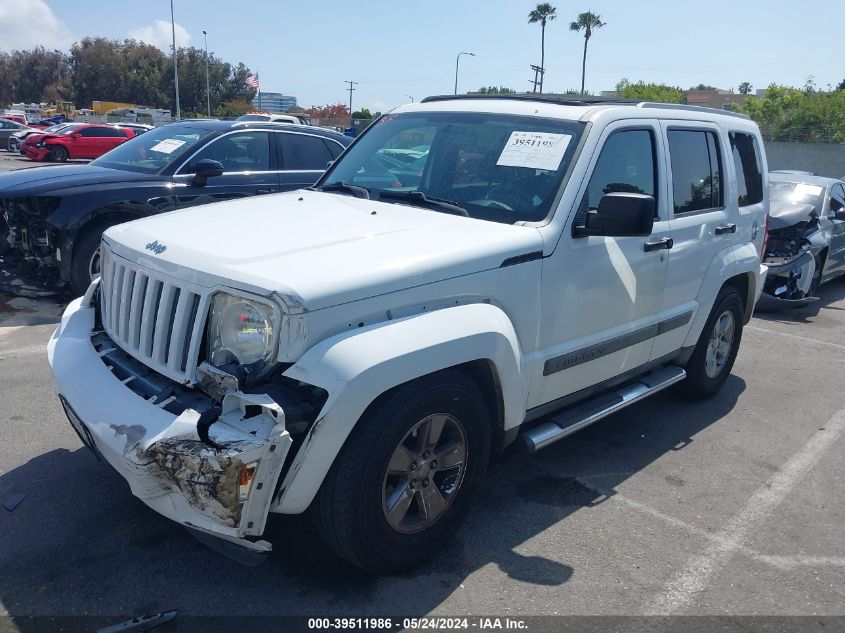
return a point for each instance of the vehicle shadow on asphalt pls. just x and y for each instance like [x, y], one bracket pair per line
[828, 293]
[80, 543]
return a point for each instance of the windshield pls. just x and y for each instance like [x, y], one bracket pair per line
[154, 151]
[503, 168]
[788, 193]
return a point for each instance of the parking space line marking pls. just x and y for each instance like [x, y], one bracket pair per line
[23, 351]
[694, 578]
[791, 562]
[795, 336]
[9, 329]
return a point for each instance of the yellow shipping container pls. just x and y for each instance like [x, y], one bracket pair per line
[101, 107]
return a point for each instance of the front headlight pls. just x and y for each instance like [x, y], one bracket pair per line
[240, 331]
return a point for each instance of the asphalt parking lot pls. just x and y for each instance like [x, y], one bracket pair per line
[9, 161]
[731, 506]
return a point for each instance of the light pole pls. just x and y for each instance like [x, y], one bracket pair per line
[410, 97]
[207, 84]
[457, 62]
[351, 87]
[175, 66]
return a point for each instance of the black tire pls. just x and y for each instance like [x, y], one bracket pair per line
[58, 153]
[700, 384]
[87, 245]
[349, 509]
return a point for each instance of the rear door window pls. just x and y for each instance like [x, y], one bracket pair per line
[749, 177]
[696, 170]
[302, 152]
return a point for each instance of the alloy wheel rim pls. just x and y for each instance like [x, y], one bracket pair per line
[424, 473]
[720, 344]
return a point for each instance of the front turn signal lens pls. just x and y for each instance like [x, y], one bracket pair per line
[245, 478]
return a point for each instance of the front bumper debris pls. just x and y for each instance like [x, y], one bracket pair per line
[788, 284]
[184, 466]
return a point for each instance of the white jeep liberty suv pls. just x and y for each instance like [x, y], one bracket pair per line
[471, 272]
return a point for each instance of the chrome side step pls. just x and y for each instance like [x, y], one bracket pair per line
[585, 413]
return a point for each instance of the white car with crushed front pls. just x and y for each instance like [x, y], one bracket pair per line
[472, 272]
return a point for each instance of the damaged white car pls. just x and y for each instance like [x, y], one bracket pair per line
[361, 348]
[806, 238]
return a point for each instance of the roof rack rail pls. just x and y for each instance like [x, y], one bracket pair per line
[691, 108]
[557, 99]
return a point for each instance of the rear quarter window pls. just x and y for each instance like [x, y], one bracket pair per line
[749, 177]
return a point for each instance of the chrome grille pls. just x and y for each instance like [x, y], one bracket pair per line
[157, 320]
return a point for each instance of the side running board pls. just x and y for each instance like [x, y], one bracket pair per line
[585, 413]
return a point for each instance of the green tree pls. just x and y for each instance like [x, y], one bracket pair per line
[791, 114]
[587, 22]
[841, 85]
[233, 109]
[363, 113]
[542, 13]
[704, 87]
[494, 90]
[745, 88]
[641, 91]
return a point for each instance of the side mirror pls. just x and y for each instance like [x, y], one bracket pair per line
[205, 169]
[620, 214]
[76, 135]
[839, 215]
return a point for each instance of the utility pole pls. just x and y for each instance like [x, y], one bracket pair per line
[175, 66]
[207, 84]
[538, 72]
[351, 87]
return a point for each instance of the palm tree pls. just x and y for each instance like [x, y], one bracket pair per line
[586, 22]
[542, 13]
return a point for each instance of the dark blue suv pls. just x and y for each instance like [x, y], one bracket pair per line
[56, 215]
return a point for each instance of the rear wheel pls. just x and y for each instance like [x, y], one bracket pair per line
[58, 153]
[717, 347]
[402, 483]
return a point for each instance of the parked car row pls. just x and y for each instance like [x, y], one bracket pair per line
[55, 216]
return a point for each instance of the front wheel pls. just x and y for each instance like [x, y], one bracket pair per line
[711, 362]
[402, 483]
[85, 265]
[58, 153]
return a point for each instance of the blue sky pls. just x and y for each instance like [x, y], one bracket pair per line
[396, 49]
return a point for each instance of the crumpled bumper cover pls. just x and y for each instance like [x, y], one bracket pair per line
[161, 455]
[801, 268]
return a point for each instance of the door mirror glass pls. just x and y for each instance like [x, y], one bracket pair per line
[620, 214]
[205, 169]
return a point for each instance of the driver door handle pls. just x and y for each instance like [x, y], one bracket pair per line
[656, 245]
[725, 228]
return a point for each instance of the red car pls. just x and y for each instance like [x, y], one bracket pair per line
[82, 141]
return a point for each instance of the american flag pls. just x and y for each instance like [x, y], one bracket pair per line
[252, 81]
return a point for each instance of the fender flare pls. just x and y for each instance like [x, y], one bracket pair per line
[730, 262]
[356, 367]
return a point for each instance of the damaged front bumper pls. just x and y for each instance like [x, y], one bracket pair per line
[219, 486]
[788, 283]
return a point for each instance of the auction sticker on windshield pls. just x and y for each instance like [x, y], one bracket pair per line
[535, 150]
[167, 146]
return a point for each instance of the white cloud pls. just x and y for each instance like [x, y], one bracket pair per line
[29, 23]
[160, 35]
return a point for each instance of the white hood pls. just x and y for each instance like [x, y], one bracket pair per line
[322, 249]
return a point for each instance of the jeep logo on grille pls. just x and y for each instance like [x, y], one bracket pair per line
[156, 248]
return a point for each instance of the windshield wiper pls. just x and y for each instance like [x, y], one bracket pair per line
[355, 190]
[436, 204]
